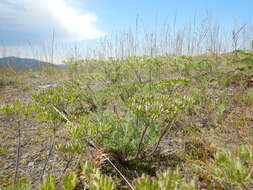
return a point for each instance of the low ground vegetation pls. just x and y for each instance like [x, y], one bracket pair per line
[174, 122]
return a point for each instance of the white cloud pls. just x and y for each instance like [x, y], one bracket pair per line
[72, 21]
[38, 18]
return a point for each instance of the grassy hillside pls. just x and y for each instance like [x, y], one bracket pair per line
[144, 123]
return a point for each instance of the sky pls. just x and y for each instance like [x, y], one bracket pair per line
[26, 22]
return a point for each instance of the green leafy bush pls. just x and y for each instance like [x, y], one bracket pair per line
[234, 166]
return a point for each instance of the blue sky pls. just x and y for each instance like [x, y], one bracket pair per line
[120, 13]
[87, 20]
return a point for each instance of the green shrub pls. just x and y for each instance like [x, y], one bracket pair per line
[234, 166]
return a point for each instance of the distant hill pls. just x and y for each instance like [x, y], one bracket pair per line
[22, 63]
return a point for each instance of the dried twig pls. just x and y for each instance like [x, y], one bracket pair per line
[18, 152]
[49, 154]
[65, 169]
[141, 141]
[165, 131]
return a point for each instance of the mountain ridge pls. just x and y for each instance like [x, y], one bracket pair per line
[19, 63]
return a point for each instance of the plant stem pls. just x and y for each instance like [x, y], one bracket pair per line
[244, 186]
[18, 152]
[167, 128]
[49, 154]
[141, 141]
[65, 169]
